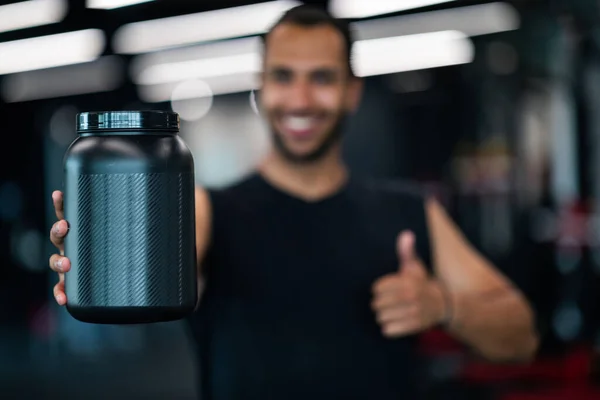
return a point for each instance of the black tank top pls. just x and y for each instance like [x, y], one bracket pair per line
[286, 309]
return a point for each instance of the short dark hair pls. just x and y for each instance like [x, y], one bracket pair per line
[306, 15]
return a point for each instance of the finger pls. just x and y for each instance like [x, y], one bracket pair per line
[388, 283]
[392, 299]
[58, 233]
[398, 314]
[394, 283]
[59, 263]
[405, 247]
[401, 328]
[59, 293]
[415, 270]
[410, 263]
[57, 200]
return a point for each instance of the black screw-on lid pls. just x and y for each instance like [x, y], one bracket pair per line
[127, 120]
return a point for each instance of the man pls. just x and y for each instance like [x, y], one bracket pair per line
[315, 284]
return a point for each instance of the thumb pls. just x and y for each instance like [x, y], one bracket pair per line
[405, 246]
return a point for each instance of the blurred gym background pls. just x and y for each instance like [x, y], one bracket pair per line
[494, 106]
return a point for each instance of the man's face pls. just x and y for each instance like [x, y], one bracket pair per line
[307, 90]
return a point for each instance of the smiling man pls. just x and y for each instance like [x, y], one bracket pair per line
[318, 284]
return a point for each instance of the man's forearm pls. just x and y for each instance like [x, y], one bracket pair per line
[499, 326]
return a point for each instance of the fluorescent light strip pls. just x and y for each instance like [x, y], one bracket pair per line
[225, 48]
[410, 53]
[238, 83]
[147, 36]
[102, 75]
[472, 20]
[28, 14]
[369, 8]
[201, 69]
[112, 4]
[51, 51]
[371, 57]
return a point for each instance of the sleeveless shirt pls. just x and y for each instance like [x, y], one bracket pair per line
[286, 309]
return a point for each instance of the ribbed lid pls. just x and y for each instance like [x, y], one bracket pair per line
[127, 120]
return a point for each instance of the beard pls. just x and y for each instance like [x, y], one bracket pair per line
[331, 139]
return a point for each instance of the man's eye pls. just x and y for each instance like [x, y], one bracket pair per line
[281, 76]
[323, 78]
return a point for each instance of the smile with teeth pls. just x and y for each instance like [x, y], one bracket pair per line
[299, 124]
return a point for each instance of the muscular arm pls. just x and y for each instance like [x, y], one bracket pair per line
[488, 313]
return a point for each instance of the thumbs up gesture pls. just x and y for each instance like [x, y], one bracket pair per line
[408, 301]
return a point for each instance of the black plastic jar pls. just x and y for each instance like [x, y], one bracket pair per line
[129, 202]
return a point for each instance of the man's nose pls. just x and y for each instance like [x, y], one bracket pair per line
[300, 96]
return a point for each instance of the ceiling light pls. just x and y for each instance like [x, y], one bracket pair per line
[28, 14]
[231, 57]
[201, 69]
[410, 53]
[51, 51]
[157, 34]
[475, 20]
[218, 86]
[369, 8]
[112, 4]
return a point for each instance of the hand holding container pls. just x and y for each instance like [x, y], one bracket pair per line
[129, 203]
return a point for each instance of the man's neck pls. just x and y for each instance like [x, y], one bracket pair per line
[309, 181]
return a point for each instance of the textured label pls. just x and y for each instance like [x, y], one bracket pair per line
[134, 240]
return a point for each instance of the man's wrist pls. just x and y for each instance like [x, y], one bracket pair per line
[444, 305]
